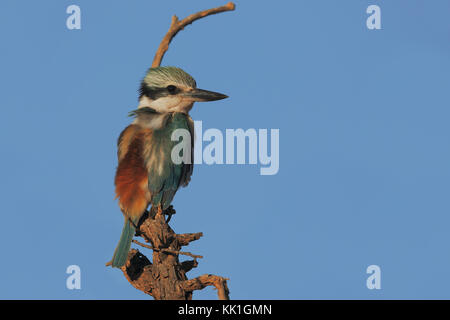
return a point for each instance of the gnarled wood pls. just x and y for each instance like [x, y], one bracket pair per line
[165, 278]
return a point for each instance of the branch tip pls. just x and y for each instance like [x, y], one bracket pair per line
[177, 25]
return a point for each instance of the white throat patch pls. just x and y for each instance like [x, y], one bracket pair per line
[167, 104]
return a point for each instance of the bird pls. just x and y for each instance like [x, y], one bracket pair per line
[146, 174]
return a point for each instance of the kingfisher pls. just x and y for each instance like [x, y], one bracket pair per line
[146, 174]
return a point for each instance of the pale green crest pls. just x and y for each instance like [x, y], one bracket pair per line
[161, 77]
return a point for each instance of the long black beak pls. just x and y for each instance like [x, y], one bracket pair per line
[205, 95]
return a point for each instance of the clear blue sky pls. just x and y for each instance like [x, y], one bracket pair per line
[364, 145]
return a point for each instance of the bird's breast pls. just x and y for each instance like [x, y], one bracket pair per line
[158, 148]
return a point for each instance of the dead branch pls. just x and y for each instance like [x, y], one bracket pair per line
[178, 25]
[165, 277]
[205, 280]
[186, 238]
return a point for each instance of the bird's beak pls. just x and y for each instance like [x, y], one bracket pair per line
[204, 95]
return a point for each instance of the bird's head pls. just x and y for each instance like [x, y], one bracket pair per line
[170, 89]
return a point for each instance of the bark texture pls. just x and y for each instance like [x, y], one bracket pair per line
[165, 277]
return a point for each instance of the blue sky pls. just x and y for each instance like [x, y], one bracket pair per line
[364, 145]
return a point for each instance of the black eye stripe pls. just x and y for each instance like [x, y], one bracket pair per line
[152, 93]
[172, 89]
[156, 93]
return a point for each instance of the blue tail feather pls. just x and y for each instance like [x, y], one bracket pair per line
[123, 247]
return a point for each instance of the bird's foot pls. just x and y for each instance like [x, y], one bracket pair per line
[152, 213]
[169, 212]
[158, 210]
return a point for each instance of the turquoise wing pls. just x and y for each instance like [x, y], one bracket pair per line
[164, 176]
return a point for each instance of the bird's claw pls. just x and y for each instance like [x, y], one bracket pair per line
[169, 212]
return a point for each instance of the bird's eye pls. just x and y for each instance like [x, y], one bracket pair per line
[172, 89]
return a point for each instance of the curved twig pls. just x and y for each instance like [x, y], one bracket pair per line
[178, 25]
